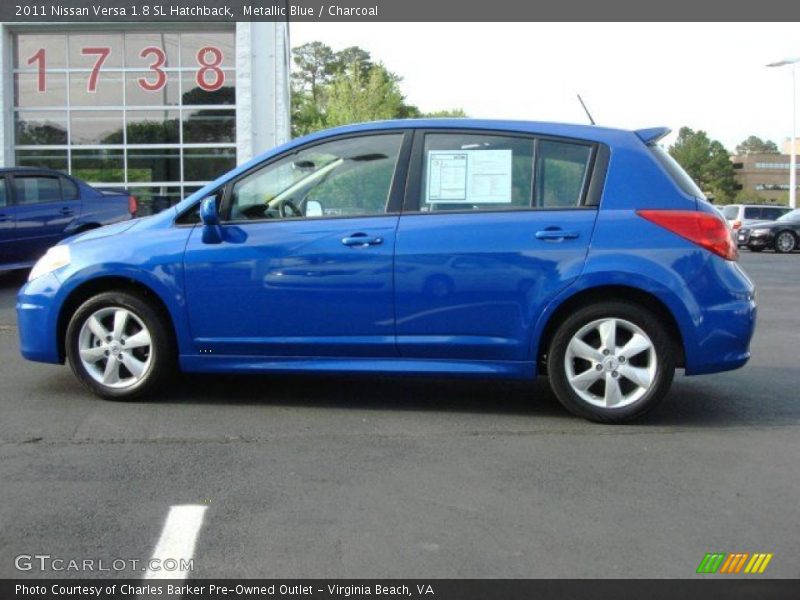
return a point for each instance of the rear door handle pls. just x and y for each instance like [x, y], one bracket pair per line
[4, 217]
[67, 211]
[556, 234]
[361, 240]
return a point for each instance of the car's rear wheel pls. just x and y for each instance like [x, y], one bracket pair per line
[785, 242]
[118, 346]
[611, 362]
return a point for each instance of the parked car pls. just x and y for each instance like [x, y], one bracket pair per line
[782, 235]
[744, 215]
[579, 252]
[40, 207]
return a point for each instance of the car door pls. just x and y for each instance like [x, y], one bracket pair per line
[8, 253]
[305, 263]
[494, 226]
[43, 212]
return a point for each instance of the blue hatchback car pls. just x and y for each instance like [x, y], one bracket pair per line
[437, 247]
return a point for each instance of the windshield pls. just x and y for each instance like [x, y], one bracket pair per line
[680, 176]
[793, 215]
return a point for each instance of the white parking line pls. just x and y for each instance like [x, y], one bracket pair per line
[177, 541]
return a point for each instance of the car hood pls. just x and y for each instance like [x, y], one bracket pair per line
[102, 232]
[760, 224]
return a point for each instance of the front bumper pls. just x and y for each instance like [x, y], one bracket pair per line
[37, 320]
[754, 240]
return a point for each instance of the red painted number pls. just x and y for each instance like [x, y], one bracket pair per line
[39, 58]
[159, 60]
[102, 54]
[210, 67]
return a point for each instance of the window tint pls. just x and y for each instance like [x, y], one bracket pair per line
[561, 171]
[751, 212]
[3, 198]
[730, 212]
[33, 190]
[351, 177]
[473, 172]
[69, 189]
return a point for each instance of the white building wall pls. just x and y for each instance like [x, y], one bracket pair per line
[262, 88]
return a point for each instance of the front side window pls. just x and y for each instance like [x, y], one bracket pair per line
[344, 178]
[34, 190]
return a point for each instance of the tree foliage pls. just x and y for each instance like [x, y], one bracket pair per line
[707, 162]
[755, 145]
[336, 88]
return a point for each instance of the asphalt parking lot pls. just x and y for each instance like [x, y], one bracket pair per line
[368, 477]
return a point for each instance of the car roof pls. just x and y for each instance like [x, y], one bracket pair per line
[31, 170]
[594, 133]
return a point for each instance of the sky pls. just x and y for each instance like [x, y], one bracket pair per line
[708, 76]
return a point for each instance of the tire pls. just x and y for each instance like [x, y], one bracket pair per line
[628, 383]
[785, 242]
[104, 328]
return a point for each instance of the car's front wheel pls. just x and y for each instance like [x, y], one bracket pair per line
[785, 242]
[611, 362]
[118, 346]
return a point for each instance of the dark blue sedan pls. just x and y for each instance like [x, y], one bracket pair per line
[40, 207]
[436, 247]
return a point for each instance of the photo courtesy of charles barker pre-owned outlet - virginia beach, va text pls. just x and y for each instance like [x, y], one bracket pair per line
[435, 300]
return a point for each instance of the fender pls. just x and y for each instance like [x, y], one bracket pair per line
[659, 283]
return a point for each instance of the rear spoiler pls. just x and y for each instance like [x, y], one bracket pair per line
[653, 134]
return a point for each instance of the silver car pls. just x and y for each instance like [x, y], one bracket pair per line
[742, 215]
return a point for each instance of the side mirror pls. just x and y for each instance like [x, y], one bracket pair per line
[313, 208]
[209, 215]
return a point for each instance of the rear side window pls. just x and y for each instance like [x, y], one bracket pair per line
[679, 176]
[730, 212]
[34, 190]
[3, 195]
[561, 172]
[474, 172]
[752, 212]
[69, 189]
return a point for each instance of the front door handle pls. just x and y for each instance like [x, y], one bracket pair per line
[361, 240]
[556, 234]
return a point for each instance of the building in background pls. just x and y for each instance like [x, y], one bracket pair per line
[764, 176]
[158, 110]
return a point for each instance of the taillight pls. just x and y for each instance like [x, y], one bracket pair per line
[133, 206]
[736, 224]
[706, 230]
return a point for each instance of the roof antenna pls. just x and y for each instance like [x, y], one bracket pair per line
[588, 114]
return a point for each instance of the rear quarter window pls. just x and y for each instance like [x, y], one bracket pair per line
[730, 212]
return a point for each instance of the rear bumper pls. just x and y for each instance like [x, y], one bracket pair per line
[36, 321]
[724, 326]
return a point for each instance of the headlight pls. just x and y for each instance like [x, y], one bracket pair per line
[760, 231]
[55, 258]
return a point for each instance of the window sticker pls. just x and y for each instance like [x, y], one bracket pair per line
[471, 176]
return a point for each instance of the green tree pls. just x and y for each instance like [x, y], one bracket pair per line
[707, 162]
[354, 97]
[334, 88]
[755, 145]
[453, 113]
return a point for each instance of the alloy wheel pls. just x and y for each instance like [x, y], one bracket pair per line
[115, 347]
[610, 363]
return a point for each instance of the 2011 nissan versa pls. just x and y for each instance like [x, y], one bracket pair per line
[439, 247]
